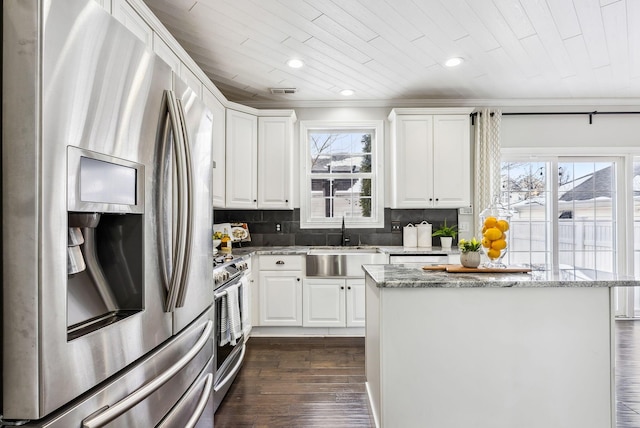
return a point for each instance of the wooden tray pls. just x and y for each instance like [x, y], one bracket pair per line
[462, 269]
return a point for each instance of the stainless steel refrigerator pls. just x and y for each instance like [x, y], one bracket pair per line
[106, 212]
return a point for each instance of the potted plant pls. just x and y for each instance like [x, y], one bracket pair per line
[470, 252]
[446, 234]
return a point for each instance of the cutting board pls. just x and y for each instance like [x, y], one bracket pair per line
[462, 269]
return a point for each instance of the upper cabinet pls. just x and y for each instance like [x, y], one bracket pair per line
[218, 190]
[275, 146]
[430, 158]
[242, 160]
[259, 160]
[125, 13]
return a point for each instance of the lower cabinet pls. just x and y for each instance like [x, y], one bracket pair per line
[280, 298]
[333, 302]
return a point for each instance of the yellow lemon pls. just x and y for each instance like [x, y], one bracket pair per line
[493, 233]
[484, 229]
[493, 254]
[486, 243]
[499, 244]
[503, 225]
[490, 222]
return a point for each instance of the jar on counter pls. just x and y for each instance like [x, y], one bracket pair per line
[495, 220]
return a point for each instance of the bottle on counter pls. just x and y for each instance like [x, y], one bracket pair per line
[225, 244]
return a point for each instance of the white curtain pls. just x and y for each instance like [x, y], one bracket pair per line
[487, 160]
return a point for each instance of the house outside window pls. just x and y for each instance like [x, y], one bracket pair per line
[342, 174]
[565, 214]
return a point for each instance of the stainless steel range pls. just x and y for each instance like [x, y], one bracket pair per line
[231, 324]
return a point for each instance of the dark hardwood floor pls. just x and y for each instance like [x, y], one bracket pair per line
[291, 382]
[628, 374]
[319, 382]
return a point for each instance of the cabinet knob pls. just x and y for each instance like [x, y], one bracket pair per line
[298, 279]
[342, 287]
[430, 199]
[286, 200]
[437, 199]
[349, 288]
[255, 200]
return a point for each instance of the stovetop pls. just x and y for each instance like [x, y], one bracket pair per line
[227, 268]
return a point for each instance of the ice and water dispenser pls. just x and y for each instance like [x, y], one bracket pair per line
[105, 249]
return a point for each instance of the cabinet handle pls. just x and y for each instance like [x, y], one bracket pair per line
[342, 287]
[430, 199]
[286, 200]
[298, 279]
[437, 199]
[280, 262]
[349, 288]
[255, 200]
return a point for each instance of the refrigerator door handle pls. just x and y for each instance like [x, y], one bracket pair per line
[175, 276]
[169, 421]
[101, 418]
[187, 188]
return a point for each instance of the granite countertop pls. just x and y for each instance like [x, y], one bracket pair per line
[405, 276]
[302, 250]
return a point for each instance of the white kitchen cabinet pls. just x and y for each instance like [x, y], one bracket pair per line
[242, 162]
[430, 158]
[333, 302]
[280, 290]
[356, 306]
[126, 14]
[163, 50]
[106, 4]
[275, 140]
[218, 189]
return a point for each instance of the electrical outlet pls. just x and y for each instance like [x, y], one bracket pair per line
[463, 226]
[278, 228]
[395, 227]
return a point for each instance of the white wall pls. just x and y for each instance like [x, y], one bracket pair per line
[570, 131]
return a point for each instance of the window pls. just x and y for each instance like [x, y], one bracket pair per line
[342, 174]
[565, 213]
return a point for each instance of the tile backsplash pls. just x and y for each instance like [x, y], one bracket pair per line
[263, 227]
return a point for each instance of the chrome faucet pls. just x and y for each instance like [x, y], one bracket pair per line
[345, 238]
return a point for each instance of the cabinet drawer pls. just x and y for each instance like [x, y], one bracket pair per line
[275, 262]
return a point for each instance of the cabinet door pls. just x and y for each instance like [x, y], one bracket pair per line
[274, 162]
[164, 51]
[280, 298]
[451, 161]
[106, 4]
[413, 159]
[323, 302]
[355, 303]
[218, 154]
[124, 13]
[242, 148]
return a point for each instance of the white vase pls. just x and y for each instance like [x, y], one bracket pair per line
[470, 259]
[445, 242]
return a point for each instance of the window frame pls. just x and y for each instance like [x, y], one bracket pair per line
[377, 174]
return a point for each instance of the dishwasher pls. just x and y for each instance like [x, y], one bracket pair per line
[419, 260]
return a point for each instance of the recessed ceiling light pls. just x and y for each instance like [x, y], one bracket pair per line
[347, 92]
[454, 62]
[295, 63]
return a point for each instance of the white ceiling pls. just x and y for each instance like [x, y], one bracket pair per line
[396, 49]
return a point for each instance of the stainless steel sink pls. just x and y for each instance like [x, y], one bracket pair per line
[341, 261]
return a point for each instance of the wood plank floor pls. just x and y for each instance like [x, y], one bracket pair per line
[319, 382]
[299, 382]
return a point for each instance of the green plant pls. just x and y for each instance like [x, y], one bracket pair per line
[469, 246]
[445, 230]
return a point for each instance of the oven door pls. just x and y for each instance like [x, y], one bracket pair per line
[229, 356]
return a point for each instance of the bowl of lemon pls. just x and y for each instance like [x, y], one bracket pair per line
[495, 222]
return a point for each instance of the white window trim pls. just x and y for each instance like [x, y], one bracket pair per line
[377, 182]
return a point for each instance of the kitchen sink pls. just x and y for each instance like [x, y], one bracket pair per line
[341, 261]
[343, 250]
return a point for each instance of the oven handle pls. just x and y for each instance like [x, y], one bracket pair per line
[224, 381]
[221, 291]
[108, 414]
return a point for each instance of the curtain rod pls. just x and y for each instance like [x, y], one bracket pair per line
[551, 113]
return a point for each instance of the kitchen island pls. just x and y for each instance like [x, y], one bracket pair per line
[454, 350]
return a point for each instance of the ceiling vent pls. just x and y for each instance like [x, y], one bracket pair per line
[283, 90]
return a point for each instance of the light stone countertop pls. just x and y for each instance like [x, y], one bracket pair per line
[302, 250]
[405, 276]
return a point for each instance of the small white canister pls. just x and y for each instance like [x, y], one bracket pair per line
[410, 236]
[424, 234]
